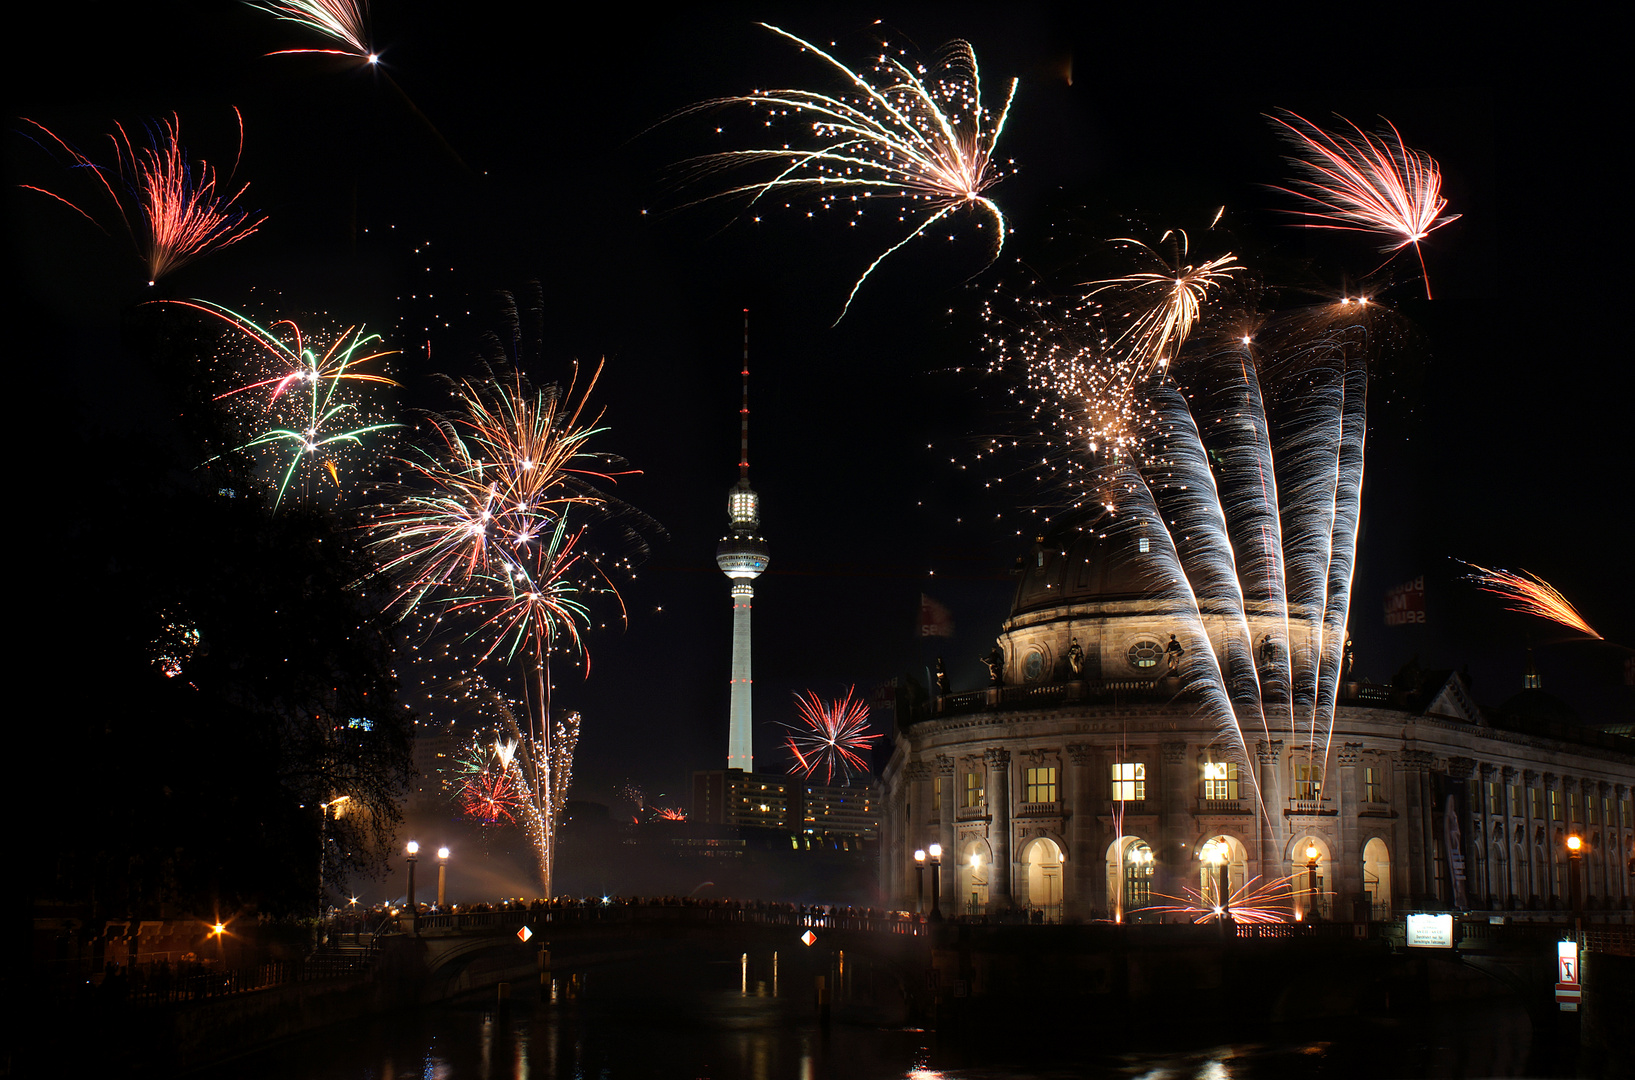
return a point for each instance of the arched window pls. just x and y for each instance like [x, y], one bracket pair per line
[1138, 871]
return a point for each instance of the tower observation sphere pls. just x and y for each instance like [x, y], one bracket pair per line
[742, 555]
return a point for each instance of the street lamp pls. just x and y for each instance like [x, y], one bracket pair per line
[1311, 880]
[1217, 854]
[919, 881]
[442, 874]
[1575, 851]
[323, 854]
[936, 892]
[414, 912]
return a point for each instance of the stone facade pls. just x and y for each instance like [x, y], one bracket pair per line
[1087, 783]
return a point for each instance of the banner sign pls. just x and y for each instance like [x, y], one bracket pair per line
[1405, 603]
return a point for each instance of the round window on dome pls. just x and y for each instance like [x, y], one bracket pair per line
[1144, 655]
[1033, 667]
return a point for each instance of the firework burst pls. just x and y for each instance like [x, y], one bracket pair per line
[1366, 183]
[831, 736]
[916, 137]
[1164, 303]
[303, 401]
[1529, 594]
[170, 206]
[343, 21]
[477, 534]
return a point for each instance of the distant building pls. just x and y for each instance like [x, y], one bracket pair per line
[785, 803]
[1086, 783]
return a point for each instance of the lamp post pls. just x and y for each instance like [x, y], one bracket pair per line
[414, 912]
[442, 875]
[919, 881]
[323, 856]
[936, 892]
[1575, 851]
[1311, 881]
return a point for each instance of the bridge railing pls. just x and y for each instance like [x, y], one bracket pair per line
[627, 911]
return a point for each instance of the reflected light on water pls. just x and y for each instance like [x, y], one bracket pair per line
[1214, 1070]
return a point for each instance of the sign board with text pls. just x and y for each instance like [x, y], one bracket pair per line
[1430, 931]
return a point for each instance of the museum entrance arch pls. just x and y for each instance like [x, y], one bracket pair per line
[1377, 877]
[1237, 868]
[975, 863]
[1130, 866]
[1043, 858]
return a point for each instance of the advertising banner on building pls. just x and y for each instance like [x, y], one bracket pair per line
[1405, 603]
[1451, 810]
[935, 619]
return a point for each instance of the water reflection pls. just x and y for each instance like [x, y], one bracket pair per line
[737, 1019]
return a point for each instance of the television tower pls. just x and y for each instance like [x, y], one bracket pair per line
[742, 555]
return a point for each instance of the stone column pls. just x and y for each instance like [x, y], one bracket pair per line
[1555, 897]
[999, 826]
[1512, 857]
[1347, 868]
[1459, 772]
[917, 777]
[1083, 895]
[1535, 874]
[1413, 779]
[1494, 822]
[1176, 786]
[1616, 828]
[948, 881]
[1270, 825]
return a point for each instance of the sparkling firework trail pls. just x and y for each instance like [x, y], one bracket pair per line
[1529, 594]
[1366, 183]
[170, 208]
[1241, 501]
[833, 734]
[1253, 902]
[920, 138]
[345, 21]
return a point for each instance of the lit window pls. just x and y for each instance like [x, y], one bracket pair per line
[1308, 779]
[1129, 782]
[1042, 785]
[1493, 805]
[973, 789]
[1143, 545]
[1373, 789]
[1220, 780]
[1555, 806]
[1572, 806]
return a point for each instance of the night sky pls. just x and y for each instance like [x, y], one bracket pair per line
[505, 149]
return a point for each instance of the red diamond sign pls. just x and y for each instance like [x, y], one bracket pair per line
[524, 934]
[808, 938]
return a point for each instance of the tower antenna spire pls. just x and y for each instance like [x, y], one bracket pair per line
[742, 556]
[743, 411]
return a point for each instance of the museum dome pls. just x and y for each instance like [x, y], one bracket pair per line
[1077, 564]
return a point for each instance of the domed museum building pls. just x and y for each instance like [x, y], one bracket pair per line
[1088, 783]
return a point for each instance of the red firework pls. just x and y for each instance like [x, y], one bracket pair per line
[170, 205]
[490, 796]
[832, 736]
[1367, 183]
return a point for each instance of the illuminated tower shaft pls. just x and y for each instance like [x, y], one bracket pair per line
[742, 555]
